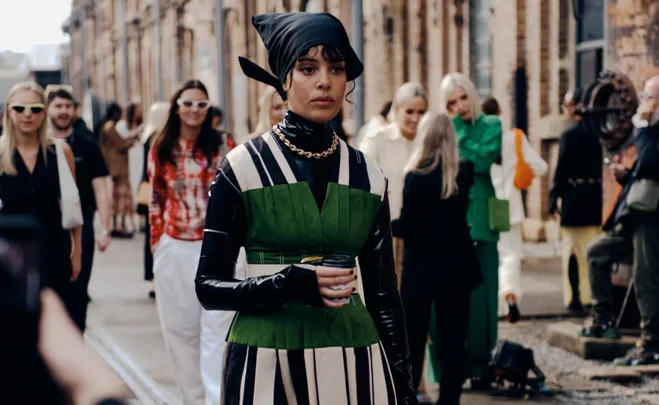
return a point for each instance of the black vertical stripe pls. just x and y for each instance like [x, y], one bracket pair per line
[362, 370]
[226, 170]
[259, 166]
[387, 377]
[358, 171]
[345, 373]
[288, 155]
[370, 363]
[250, 376]
[315, 376]
[280, 392]
[269, 160]
[298, 372]
[233, 373]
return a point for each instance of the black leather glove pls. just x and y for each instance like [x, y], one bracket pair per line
[376, 263]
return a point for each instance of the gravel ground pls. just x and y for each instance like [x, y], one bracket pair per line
[561, 369]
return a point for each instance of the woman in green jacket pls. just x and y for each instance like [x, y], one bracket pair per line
[479, 140]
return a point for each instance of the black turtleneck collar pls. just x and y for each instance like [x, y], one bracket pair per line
[306, 135]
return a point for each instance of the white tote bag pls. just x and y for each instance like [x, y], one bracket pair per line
[69, 196]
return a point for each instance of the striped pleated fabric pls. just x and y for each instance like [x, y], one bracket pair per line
[325, 376]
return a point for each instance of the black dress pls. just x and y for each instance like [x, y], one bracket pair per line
[441, 267]
[332, 203]
[38, 194]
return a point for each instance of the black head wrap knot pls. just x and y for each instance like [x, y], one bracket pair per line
[290, 35]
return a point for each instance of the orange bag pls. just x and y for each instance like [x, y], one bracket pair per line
[523, 173]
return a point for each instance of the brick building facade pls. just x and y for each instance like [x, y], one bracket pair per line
[526, 53]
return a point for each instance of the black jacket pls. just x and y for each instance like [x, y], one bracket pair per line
[645, 167]
[439, 252]
[578, 179]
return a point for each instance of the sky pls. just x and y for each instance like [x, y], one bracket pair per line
[24, 23]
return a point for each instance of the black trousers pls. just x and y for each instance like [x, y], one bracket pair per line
[641, 241]
[78, 298]
[148, 256]
[452, 322]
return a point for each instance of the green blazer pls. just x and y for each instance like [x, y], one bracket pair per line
[480, 142]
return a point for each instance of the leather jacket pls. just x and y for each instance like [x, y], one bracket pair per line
[226, 225]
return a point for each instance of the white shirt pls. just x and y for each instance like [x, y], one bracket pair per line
[392, 151]
[503, 178]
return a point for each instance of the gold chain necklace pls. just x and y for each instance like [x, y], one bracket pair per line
[317, 155]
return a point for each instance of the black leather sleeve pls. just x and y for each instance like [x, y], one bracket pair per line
[224, 234]
[376, 262]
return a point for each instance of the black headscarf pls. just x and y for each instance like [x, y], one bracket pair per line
[288, 36]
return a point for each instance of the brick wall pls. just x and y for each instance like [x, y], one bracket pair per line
[633, 39]
[545, 56]
[417, 40]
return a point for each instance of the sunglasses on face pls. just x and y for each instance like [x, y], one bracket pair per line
[201, 104]
[34, 108]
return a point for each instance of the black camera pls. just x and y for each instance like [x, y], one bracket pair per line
[24, 378]
[19, 277]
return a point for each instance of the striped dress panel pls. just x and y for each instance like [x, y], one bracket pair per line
[328, 376]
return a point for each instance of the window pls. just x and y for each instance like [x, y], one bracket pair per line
[589, 40]
[589, 65]
[479, 45]
[590, 27]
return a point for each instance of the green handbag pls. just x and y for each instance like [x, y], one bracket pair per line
[499, 214]
[499, 211]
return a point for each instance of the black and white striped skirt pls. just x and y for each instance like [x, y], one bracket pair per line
[325, 376]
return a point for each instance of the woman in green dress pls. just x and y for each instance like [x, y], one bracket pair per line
[479, 140]
[302, 334]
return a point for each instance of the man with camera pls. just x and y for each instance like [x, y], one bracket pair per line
[633, 229]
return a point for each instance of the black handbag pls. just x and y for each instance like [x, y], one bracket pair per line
[512, 363]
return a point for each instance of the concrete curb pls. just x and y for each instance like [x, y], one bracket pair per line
[144, 387]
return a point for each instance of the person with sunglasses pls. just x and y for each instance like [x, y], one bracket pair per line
[182, 162]
[29, 184]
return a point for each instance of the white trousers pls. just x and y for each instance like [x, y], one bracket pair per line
[195, 338]
[510, 262]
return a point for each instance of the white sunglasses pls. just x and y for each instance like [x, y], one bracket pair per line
[201, 104]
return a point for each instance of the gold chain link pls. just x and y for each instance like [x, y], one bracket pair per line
[317, 155]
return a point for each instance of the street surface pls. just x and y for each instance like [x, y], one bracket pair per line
[123, 326]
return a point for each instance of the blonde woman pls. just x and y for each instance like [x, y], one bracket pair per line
[479, 140]
[510, 243]
[439, 256]
[29, 183]
[393, 145]
[272, 110]
[155, 120]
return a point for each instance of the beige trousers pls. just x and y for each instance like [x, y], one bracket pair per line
[577, 239]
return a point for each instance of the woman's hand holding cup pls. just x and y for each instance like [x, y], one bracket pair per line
[329, 278]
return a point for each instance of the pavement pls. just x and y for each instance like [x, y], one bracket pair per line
[124, 328]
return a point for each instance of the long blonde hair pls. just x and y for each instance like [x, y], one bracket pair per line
[452, 81]
[439, 146]
[404, 94]
[9, 133]
[155, 119]
[265, 105]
